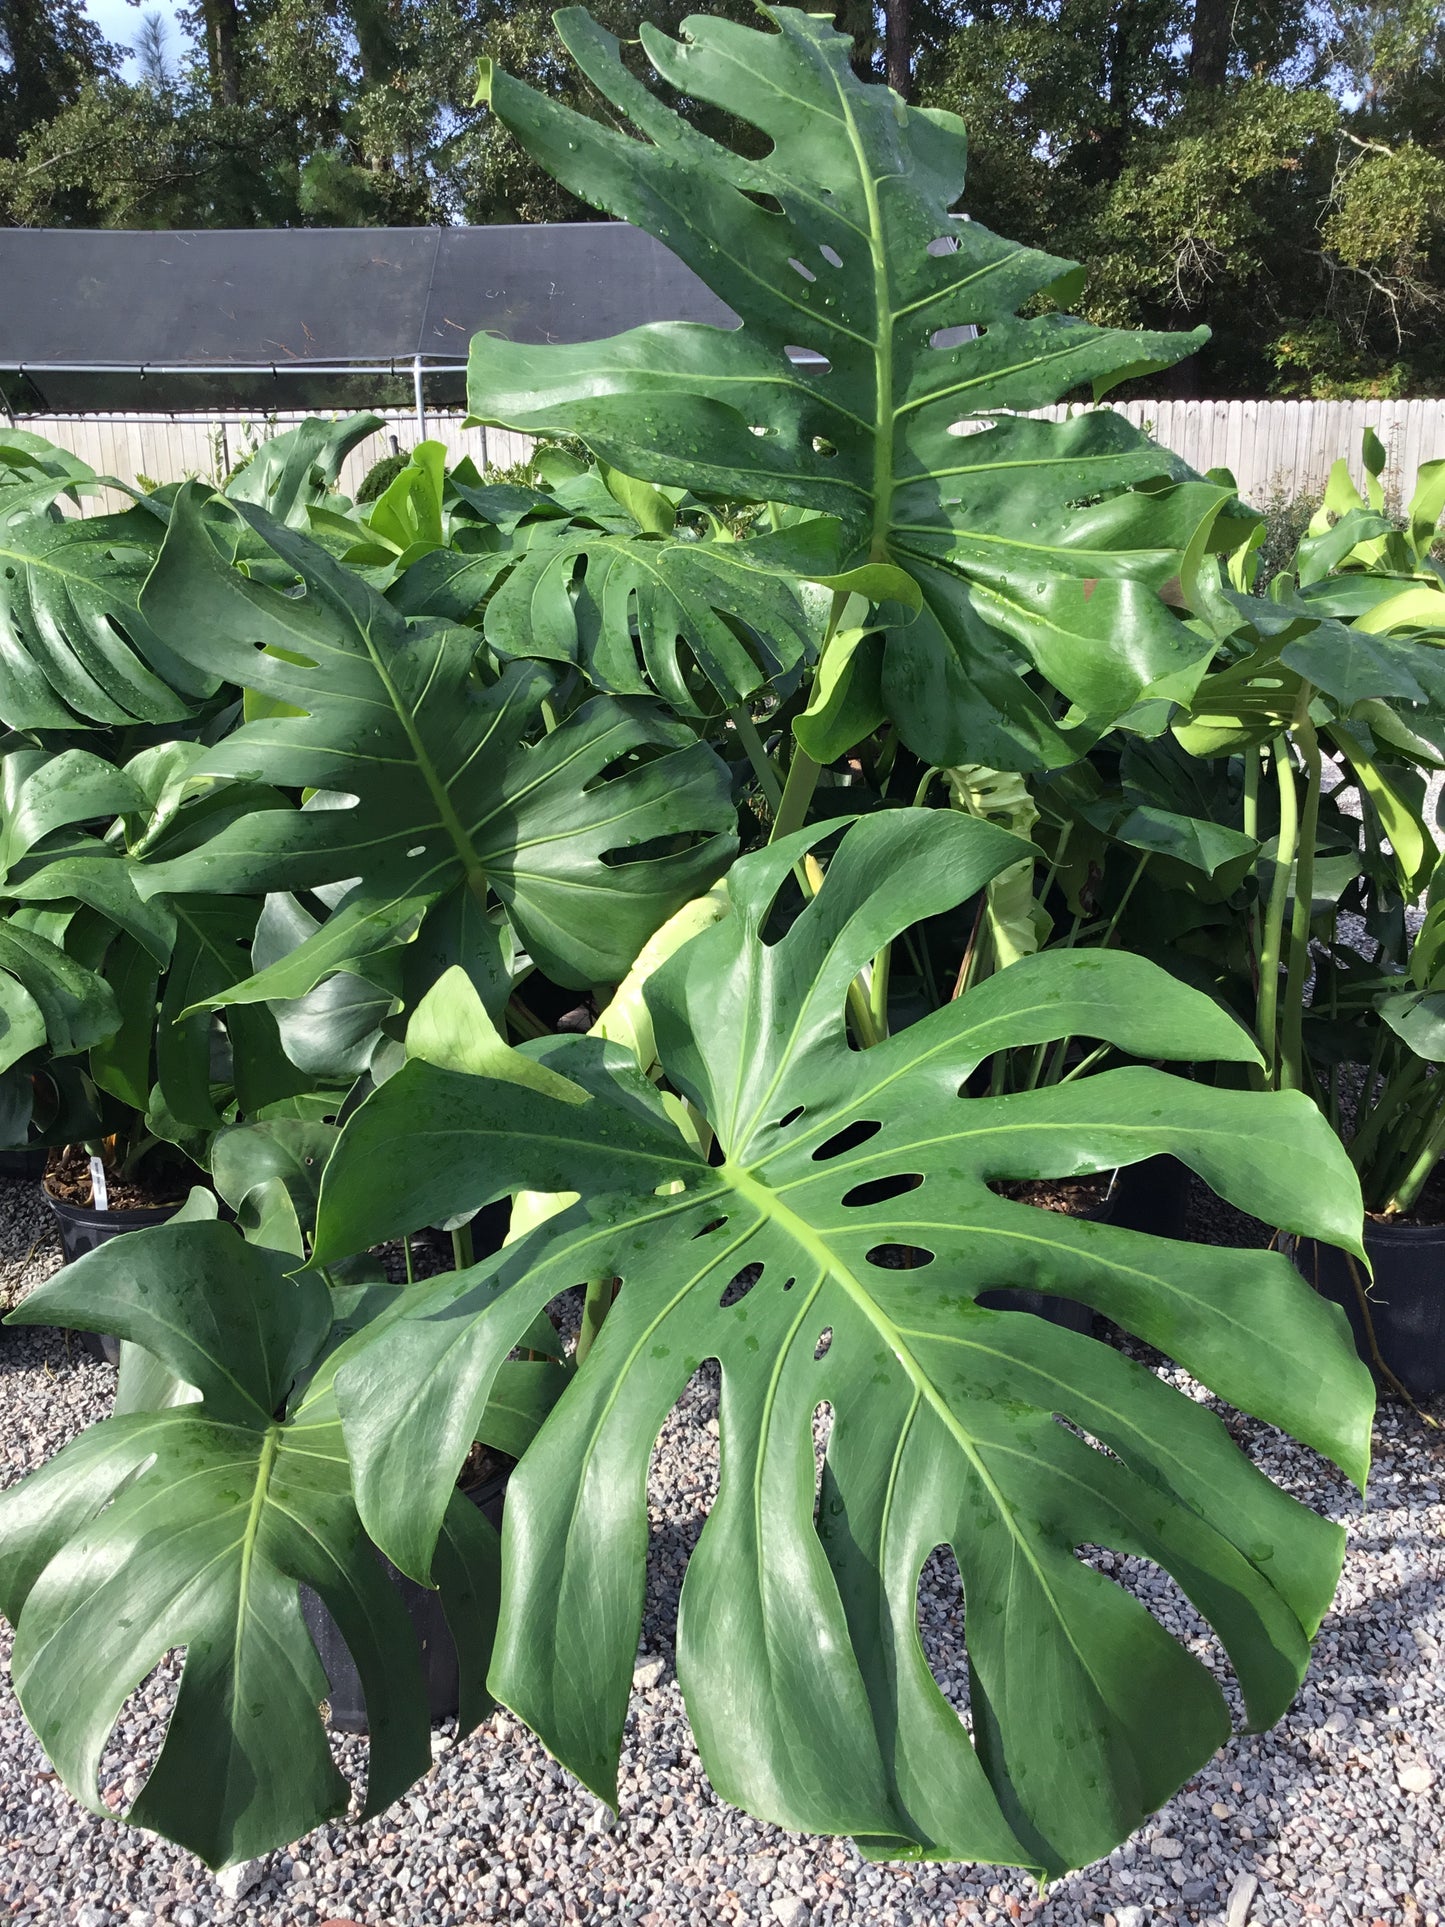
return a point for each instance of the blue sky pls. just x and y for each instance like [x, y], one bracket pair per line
[120, 22]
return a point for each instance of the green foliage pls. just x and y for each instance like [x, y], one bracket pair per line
[254, 1492]
[1286, 520]
[863, 266]
[838, 1180]
[379, 477]
[48, 49]
[1272, 172]
[449, 810]
[1245, 193]
[436, 763]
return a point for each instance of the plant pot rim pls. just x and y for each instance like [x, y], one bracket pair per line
[1395, 1228]
[135, 1217]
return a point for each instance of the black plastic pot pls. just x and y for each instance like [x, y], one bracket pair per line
[82, 1228]
[424, 1609]
[1406, 1298]
[1153, 1196]
[1067, 1312]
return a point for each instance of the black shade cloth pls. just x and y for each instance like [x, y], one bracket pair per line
[106, 321]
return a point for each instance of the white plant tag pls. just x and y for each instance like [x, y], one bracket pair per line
[99, 1195]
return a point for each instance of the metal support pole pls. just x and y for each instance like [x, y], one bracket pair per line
[420, 398]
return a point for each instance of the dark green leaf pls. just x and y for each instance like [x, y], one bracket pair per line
[868, 1249]
[881, 355]
[193, 1527]
[448, 791]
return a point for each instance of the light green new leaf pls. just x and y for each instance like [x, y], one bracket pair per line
[193, 1527]
[835, 1255]
[874, 377]
[431, 789]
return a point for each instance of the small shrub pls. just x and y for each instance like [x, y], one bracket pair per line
[1286, 518]
[380, 476]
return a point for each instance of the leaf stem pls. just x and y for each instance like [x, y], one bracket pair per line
[462, 1253]
[878, 989]
[1422, 1164]
[1292, 1036]
[1397, 1092]
[1267, 1009]
[596, 1304]
[758, 756]
[1119, 908]
[797, 797]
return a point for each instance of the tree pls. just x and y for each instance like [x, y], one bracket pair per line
[152, 56]
[1277, 172]
[48, 49]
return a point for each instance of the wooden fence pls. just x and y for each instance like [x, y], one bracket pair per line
[1276, 450]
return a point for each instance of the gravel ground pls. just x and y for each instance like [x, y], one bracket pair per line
[1334, 1817]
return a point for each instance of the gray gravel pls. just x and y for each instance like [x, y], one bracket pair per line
[1334, 1817]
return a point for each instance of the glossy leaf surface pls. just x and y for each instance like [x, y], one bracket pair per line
[874, 376]
[834, 1254]
[192, 1527]
[430, 786]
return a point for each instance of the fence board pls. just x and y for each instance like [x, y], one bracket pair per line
[1274, 449]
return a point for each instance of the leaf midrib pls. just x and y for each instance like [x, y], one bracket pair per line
[270, 1445]
[770, 1208]
[884, 411]
[451, 823]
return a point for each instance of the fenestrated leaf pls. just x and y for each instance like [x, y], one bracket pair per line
[448, 792]
[73, 644]
[297, 470]
[854, 1191]
[1418, 1017]
[579, 598]
[839, 240]
[192, 1527]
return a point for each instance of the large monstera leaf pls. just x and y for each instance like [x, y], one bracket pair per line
[193, 1527]
[74, 647]
[433, 798]
[880, 354]
[833, 1251]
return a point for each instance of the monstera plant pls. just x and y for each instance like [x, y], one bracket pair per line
[478, 766]
[873, 380]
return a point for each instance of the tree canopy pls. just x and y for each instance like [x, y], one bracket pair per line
[1273, 168]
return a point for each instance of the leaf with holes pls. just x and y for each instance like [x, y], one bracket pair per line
[706, 616]
[858, 1192]
[194, 1527]
[433, 791]
[292, 473]
[875, 376]
[74, 647]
